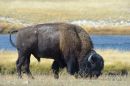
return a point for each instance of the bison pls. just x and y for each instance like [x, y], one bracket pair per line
[69, 45]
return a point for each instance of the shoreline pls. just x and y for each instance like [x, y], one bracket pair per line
[100, 30]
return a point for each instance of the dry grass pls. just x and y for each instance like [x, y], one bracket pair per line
[107, 30]
[41, 11]
[8, 60]
[112, 56]
[5, 26]
[114, 61]
[101, 30]
[64, 80]
[45, 10]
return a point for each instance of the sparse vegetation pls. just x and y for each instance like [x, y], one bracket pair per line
[37, 11]
[114, 61]
[64, 80]
[42, 11]
[5, 26]
[108, 30]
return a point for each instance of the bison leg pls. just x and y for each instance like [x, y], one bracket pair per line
[72, 66]
[19, 63]
[27, 69]
[55, 69]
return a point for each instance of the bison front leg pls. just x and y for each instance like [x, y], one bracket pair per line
[72, 66]
[55, 69]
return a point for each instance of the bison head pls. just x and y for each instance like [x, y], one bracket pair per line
[92, 65]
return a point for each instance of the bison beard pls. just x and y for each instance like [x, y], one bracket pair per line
[92, 65]
[67, 44]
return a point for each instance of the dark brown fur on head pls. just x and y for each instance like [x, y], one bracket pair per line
[92, 65]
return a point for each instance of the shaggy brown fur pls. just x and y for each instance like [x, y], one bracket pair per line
[67, 44]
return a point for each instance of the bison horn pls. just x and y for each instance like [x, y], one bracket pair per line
[90, 57]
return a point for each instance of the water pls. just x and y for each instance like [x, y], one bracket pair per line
[5, 43]
[118, 42]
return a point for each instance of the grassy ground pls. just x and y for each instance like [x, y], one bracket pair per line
[64, 80]
[41, 11]
[62, 10]
[114, 61]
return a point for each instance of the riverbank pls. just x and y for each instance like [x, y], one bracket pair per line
[107, 30]
[115, 62]
[92, 30]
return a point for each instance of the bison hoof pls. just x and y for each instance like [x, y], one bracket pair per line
[76, 76]
[30, 77]
[19, 77]
[56, 76]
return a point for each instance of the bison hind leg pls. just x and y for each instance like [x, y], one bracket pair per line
[20, 61]
[23, 60]
[27, 67]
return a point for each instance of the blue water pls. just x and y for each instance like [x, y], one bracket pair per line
[118, 42]
[5, 43]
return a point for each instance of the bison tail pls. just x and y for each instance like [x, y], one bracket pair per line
[11, 32]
